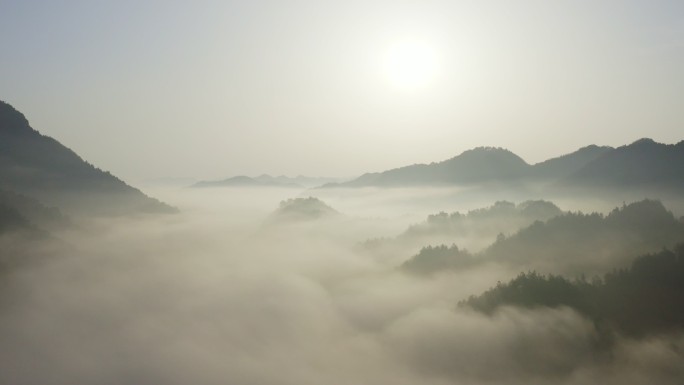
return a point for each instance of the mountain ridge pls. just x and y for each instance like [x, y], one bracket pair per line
[641, 163]
[41, 167]
[266, 180]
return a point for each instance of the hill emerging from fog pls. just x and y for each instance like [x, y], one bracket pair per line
[302, 209]
[40, 167]
[474, 230]
[496, 219]
[569, 243]
[641, 300]
[642, 164]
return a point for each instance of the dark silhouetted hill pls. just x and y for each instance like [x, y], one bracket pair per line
[642, 164]
[473, 230]
[303, 209]
[501, 217]
[577, 243]
[483, 164]
[431, 259]
[566, 165]
[483, 225]
[645, 299]
[40, 167]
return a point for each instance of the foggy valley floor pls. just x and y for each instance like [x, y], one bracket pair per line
[368, 192]
[240, 288]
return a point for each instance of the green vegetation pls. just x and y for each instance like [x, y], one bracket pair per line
[299, 209]
[646, 298]
[431, 259]
[574, 242]
[500, 217]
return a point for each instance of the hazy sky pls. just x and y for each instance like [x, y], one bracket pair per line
[210, 89]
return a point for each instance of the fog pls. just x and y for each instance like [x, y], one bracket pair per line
[223, 293]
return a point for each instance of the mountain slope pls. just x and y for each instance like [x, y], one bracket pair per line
[41, 167]
[644, 163]
[570, 243]
[34, 211]
[641, 300]
[569, 164]
[302, 209]
[482, 164]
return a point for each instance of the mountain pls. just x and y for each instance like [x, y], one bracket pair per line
[644, 163]
[482, 164]
[566, 165]
[266, 180]
[302, 209]
[638, 301]
[245, 181]
[570, 243]
[473, 230]
[42, 168]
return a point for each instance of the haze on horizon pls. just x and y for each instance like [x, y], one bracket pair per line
[213, 89]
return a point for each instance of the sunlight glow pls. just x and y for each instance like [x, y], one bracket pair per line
[410, 64]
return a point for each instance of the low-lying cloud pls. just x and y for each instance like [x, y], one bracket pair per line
[212, 297]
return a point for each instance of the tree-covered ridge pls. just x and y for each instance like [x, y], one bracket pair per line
[644, 163]
[302, 209]
[472, 230]
[577, 242]
[433, 258]
[646, 298]
[573, 242]
[498, 218]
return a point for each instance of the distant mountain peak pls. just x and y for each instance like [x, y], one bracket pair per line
[643, 141]
[489, 152]
[488, 149]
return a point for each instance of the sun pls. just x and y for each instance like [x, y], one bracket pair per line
[410, 64]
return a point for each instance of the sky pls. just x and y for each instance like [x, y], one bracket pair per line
[211, 89]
